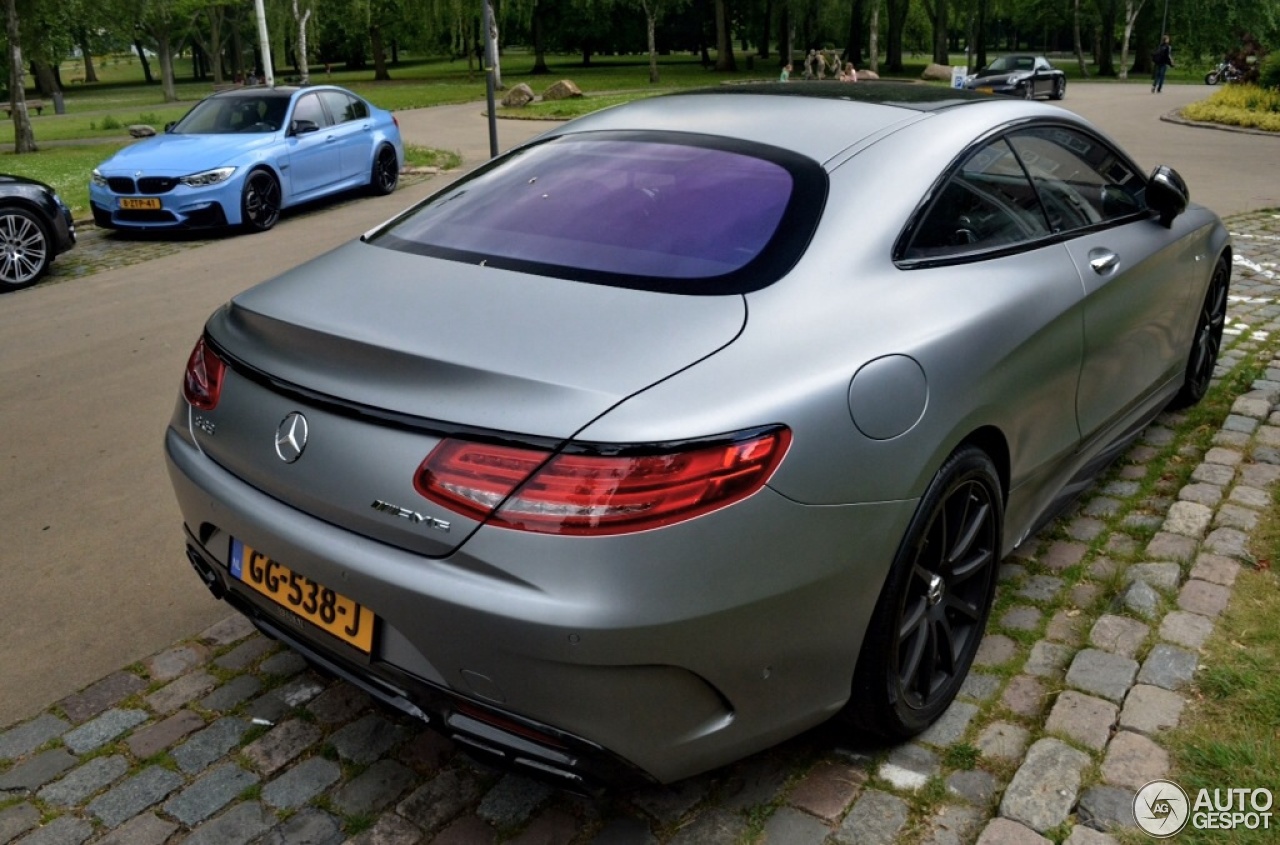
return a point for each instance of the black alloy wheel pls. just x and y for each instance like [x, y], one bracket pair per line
[260, 201]
[934, 605]
[386, 172]
[1029, 90]
[1207, 341]
[25, 253]
[1059, 88]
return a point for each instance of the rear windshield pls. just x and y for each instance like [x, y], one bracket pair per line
[651, 210]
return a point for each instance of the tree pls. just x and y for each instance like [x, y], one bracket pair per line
[1131, 10]
[304, 67]
[24, 139]
[724, 38]
[164, 23]
[1084, 68]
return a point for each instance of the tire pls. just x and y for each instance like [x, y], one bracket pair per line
[933, 608]
[1029, 92]
[260, 201]
[1059, 89]
[1211, 78]
[25, 249]
[384, 176]
[1206, 343]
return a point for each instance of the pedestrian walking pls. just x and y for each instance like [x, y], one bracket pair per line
[1163, 59]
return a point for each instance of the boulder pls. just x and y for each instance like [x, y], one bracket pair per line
[519, 95]
[562, 90]
[869, 74]
[141, 130]
[938, 72]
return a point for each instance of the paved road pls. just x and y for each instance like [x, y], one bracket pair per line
[91, 570]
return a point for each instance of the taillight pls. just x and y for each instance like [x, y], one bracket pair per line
[203, 383]
[591, 493]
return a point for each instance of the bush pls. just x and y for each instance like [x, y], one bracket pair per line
[1239, 105]
[109, 122]
[1269, 73]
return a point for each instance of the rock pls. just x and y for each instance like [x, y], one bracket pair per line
[563, 90]
[938, 72]
[141, 130]
[519, 95]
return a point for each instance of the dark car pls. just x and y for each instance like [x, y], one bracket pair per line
[1021, 75]
[35, 227]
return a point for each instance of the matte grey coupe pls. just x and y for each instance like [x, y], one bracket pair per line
[695, 422]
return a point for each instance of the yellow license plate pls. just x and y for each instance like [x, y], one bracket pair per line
[316, 603]
[147, 204]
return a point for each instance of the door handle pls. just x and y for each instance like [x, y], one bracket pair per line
[1103, 261]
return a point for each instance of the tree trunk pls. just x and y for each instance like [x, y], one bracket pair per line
[1131, 10]
[165, 48]
[142, 57]
[300, 53]
[82, 41]
[651, 11]
[378, 46]
[539, 41]
[937, 13]
[1106, 52]
[46, 82]
[873, 43]
[897, 11]
[724, 39]
[1075, 34]
[24, 139]
[763, 52]
[853, 47]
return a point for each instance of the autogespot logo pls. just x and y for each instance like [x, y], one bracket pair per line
[1161, 808]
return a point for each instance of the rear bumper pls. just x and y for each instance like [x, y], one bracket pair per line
[647, 657]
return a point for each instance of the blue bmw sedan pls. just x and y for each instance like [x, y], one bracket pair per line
[240, 157]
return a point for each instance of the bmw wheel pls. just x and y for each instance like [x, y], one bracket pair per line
[25, 254]
[260, 201]
[934, 605]
[1207, 341]
[386, 172]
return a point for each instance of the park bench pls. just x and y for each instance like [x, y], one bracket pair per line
[32, 105]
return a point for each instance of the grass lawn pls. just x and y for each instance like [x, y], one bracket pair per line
[1230, 735]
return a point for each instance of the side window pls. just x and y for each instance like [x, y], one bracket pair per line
[343, 106]
[309, 108]
[986, 204]
[1081, 180]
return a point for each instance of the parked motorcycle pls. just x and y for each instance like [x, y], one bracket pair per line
[1224, 72]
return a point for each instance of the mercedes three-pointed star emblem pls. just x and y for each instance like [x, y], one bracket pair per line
[291, 437]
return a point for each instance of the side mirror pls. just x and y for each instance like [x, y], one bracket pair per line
[1167, 194]
[302, 126]
[168, 127]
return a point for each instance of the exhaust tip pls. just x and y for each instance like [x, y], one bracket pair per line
[206, 572]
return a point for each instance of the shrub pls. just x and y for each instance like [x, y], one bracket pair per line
[110, 122]
[1269, 73]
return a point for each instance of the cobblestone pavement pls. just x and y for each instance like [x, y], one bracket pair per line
[228, 738]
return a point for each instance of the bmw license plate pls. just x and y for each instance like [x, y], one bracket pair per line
[144, 204]
[330, 611]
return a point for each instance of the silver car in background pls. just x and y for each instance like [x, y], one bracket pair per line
[695, 422]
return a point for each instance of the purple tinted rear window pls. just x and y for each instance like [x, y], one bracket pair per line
[606, 205]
